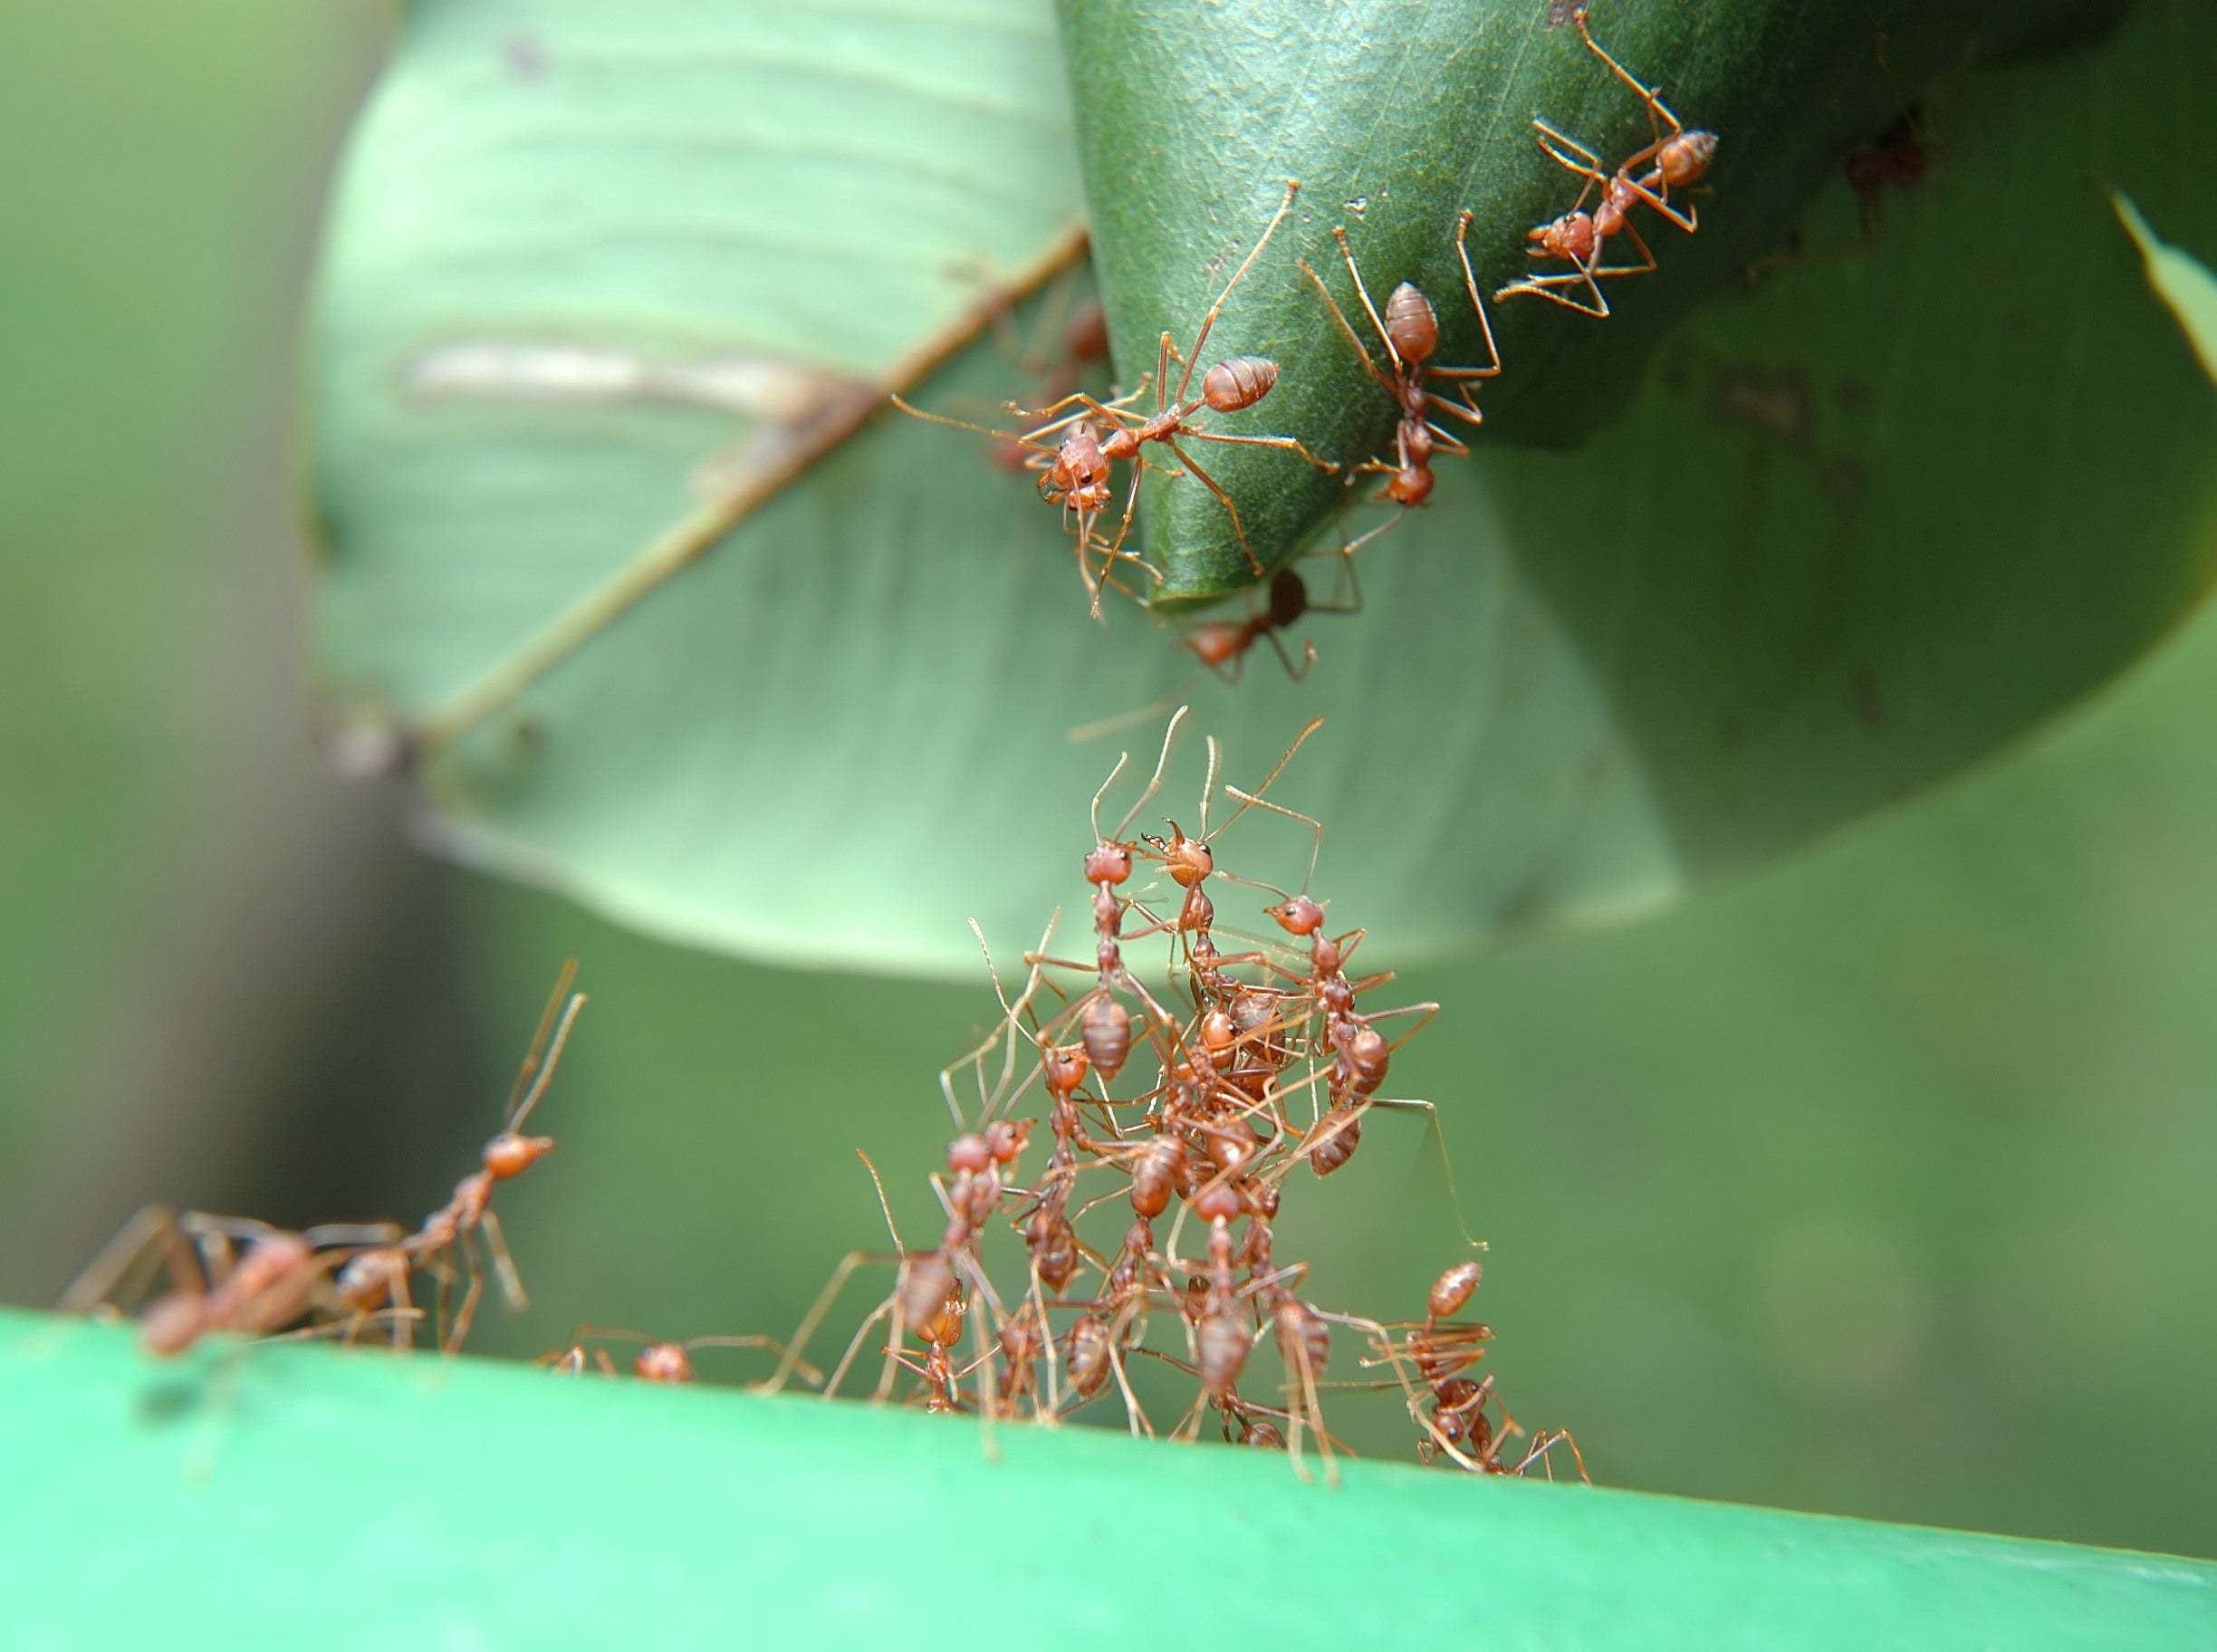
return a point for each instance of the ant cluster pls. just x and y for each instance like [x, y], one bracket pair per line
[238, 1276]
[1074, 441]
[1202, 1114]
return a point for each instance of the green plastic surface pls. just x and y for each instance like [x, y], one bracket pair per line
[346, 1499]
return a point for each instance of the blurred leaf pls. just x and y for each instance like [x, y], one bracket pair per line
[822, 1526]
[1853, 530]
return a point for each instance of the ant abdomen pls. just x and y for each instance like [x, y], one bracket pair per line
[1238, 382]
[1452, 1289]
[1411, 324]
[1108, 1036]
[1088, 1349]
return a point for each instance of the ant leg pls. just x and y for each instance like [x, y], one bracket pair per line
[1580, 161]
[1655, 106]
[1470, 286]
[1353, 600]
[503, 1263]
[122, 1259]
[1308, 656]
[1222, 498]
[1088, 406]
[1544, 286]
[1385, 382]
[1287, 443]
[1025, 442]
[459, 1329]
[1370, 309]
[1648, 188]
[1347, 551]
[1209, 320]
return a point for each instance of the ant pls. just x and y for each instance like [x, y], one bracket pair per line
[1222, 645]
[1083, 345]
[1677, 160]
[384, 1272]
[1230, 386]
[658, 1362]
[1410, 332]
[1577, 238]
[1073, 469]
[279, 1277]
[1900, 155]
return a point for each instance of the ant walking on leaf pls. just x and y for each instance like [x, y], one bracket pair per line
[1678, 158]
[1410, 330]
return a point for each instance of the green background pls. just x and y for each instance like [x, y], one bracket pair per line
[1875, 1183]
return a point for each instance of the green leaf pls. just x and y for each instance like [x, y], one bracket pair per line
[378, 1497]
[1396, 120]
[1855, 529]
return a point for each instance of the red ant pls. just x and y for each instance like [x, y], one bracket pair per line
[1084, 343]
[1073, 469]
[1899, 156]
[1230, 386]
[1579, 236]
[280, 1278]
[384, 1272]
[1410, 332]
[1678, 159]
[1222, 645]
[658, 1362]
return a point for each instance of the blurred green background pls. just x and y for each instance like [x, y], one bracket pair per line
[1879, 1184]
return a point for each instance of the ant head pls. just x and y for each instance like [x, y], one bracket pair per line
[1005, 1138]
[1411, 324]
[1189, 860]
[1410, 487]
[1109, 863]
[1062, 1067]
[968, 1154]
[509, 1154]
[1298, 916]
[663, 1362]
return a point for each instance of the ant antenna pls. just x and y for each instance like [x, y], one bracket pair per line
[1249, 800]
[553, 1055]
[1208, 783]
[1200, 338]
[1153, 783]
[539, 1038]
[887, 1209]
